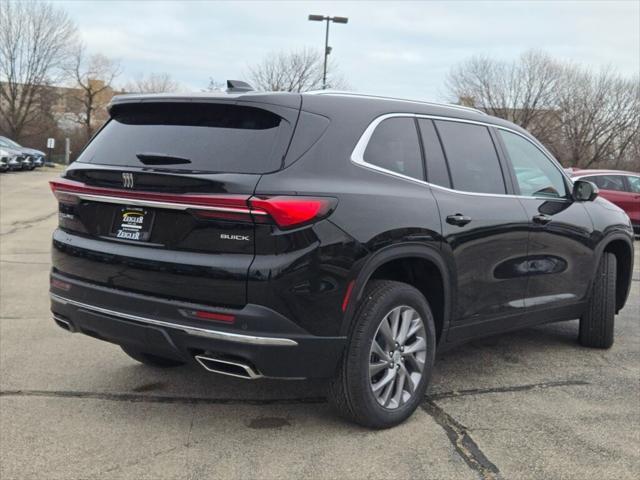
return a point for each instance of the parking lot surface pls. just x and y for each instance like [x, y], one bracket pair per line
[531, 404]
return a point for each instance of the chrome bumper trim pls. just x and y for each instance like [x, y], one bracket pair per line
[196, 331]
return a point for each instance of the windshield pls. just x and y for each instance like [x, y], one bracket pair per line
[5, 142]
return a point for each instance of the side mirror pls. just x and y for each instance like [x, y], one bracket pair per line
[584, 191]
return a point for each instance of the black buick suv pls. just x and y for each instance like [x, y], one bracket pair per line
[326, 235]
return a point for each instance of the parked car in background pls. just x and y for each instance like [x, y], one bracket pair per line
[35, 158]
[11, 157]
[619, 187]
[4, 160]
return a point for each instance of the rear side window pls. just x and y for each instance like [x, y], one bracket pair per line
[608, 182]
[634, 184]
[437, 171]
[394, 146]
[194, 137]
[472, 157]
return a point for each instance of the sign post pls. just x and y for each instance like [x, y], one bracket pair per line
[51, 144]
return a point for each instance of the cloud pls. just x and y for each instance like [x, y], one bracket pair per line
[395, 48]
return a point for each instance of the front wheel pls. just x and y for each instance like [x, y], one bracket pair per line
[389, 357]
[596, 325]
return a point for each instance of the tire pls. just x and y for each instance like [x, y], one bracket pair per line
[351, 392]
[597, 323]
[149, 359]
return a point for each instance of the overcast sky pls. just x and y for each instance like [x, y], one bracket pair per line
[388, 48]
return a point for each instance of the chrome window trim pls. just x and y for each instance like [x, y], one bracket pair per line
[196, 331]
[338, 93]
[357, 156]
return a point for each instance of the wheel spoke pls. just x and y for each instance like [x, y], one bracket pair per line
[377, 367]
[379, 351]
[415, 364]
[386, 393]
[400, 380]
[389, 376]
[409, 381]
[406, 319]
[418, 346]
[394, 319]
[387, 334]
[415, 326]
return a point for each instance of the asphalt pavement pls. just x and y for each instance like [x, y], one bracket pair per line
[526, 405]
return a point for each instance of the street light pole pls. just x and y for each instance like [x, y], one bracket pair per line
[327, 48]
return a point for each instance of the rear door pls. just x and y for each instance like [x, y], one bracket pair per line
[158, 201]
[633, 187]
[483, 227]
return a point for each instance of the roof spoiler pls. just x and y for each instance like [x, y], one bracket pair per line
[238, 86]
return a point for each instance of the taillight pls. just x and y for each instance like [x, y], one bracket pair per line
[292, 211]
[285, 211]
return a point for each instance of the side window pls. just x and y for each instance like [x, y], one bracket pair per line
[537, 176]
[394, 146]
[472, 157]
[437, 171]
[634, 184]
[608, 182]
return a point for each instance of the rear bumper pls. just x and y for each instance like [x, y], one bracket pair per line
[273, 345]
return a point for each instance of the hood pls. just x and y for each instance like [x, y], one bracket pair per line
[33, 151]
[12, 151]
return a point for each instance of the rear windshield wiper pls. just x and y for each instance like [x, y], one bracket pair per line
[160, 159]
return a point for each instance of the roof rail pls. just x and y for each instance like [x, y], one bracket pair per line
[421, 102]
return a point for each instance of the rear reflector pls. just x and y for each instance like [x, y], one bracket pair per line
[220, 317]
[285, 211]
[347, 295]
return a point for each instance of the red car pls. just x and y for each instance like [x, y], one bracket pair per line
[619, 187]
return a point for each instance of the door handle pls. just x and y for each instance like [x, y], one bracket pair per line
[458, 220]
[541, 219]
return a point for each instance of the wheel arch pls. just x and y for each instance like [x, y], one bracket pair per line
[621, 246]
[403, 263]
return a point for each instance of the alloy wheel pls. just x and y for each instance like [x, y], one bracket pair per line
[397, 357]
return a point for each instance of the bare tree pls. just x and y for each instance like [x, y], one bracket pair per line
[585, 119]
[600, 117]
[297, 71]
[153, 83]
[35, 40]
[94, 76]
[522, 91]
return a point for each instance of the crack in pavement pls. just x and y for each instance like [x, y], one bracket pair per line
[514, 388]
[457, 433]
[459, 437]
[131, 397]
[18, 226]
[136, 397]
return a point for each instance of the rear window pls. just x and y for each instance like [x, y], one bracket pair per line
[193, 137]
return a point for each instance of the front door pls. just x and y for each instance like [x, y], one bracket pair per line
[560, 257]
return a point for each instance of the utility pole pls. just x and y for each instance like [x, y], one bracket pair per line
[327, 48]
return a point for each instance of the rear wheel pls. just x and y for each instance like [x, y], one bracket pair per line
[389, 357]
[149, 359]
[597, 323]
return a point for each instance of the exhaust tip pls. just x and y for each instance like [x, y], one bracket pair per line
[62, 323]
[232, 368]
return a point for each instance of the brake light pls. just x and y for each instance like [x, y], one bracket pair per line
[293, 211]
[285, 211]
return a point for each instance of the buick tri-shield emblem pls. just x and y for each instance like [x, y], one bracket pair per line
[127, 180]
